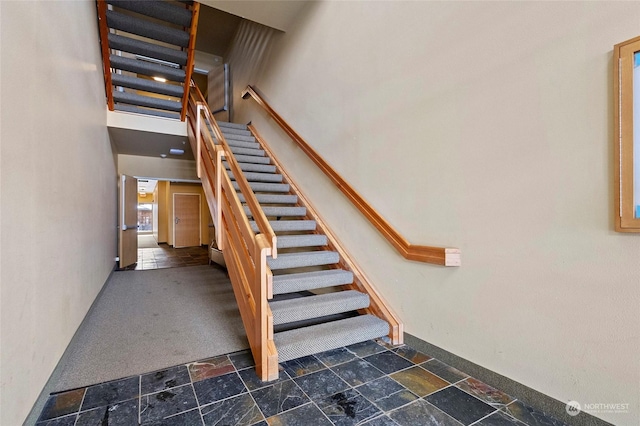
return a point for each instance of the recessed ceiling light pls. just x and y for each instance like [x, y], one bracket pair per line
[160, 79]
[163, 155]
[174, 151]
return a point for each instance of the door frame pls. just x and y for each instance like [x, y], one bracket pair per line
[173, 219]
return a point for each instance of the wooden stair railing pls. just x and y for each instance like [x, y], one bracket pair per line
[245, 253]
[435, 255]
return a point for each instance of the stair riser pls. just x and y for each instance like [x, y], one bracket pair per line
[288, 225]
[245, 151]
[281, 211]
[248, 167]
[146, 85]
[265, 187]
[302, 260]
[150, 50]
[147, 29]
[146, 68]
[259, 177]
[157, 9]
[146, 101]
[291, 283]
[273, 198]
[240, 138]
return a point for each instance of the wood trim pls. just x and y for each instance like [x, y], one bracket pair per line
[378, 305]
[436, 255]
[104, 46]
[623, 60]
[191, 58]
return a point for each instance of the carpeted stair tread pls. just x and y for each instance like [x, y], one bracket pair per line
[259, 177]
[303, 259]
[303, 308]
[273, 198]
[242, 144]
[157, 9]
[250, 167]
[139, 47]
[235, 137]
[252, 159]
[146, 111]
[287, 225]
[289, 283]
[265, 187]
[146, 101]
[148, 29]
[146, 85]
[305, 341]
[147, 68]
[280, 211]
[247, 151]
[234, 131]
[305, 240]
[232, 125]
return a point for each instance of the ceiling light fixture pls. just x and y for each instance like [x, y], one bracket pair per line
[160, 79]
[163, 155]
[175, 151]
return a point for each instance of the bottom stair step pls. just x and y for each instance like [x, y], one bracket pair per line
[305, 341]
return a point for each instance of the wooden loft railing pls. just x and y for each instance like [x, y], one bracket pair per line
[245, 253]
[436, 255]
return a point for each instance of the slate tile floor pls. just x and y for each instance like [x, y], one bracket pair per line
[369, 383]
[166, 256]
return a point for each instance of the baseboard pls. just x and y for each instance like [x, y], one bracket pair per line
[53, 378]
[531, 397]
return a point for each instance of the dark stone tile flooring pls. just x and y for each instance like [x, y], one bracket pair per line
[369, 383]
[166, 256]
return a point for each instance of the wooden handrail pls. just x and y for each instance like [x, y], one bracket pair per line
[191, 57]
[436, 255]
[104, 43]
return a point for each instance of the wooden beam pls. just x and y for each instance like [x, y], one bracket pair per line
[428, 254]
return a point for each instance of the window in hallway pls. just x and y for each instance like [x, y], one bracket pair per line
[145, 217]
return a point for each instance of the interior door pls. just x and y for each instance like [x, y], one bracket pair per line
[186, 220]
[128, 221]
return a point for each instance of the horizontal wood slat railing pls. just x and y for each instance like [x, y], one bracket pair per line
[436, 255]
[245, 253]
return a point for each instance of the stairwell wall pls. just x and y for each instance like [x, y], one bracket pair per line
[485, 126]
[58, 189]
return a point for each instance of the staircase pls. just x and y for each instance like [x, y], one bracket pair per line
[315, 304]
[148, 54]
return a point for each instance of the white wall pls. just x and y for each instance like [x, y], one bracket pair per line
[58, 193]
[485, 126]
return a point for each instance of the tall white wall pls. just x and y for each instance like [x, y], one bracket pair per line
[58, 194]
[485, 126]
